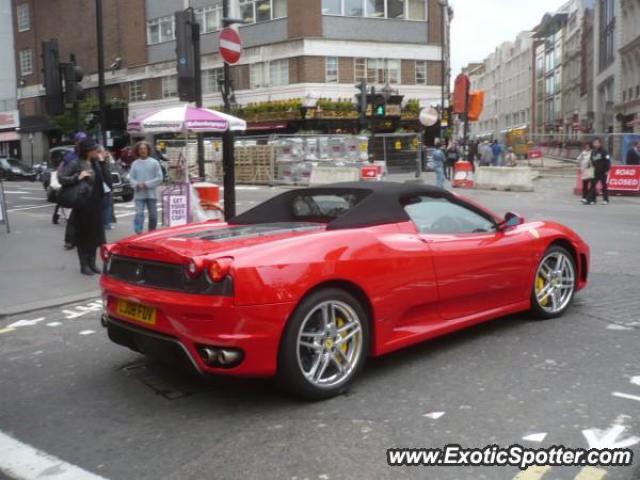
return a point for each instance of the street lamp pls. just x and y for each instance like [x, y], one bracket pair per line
[444, 46]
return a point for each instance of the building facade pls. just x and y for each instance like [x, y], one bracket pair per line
[628, 108]
[505, 77]
[9, 118]
[293, 49]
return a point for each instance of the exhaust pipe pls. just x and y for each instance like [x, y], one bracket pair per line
[221, 357]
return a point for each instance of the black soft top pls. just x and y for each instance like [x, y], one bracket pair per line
[379, 203]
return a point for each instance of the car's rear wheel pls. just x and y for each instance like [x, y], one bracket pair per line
[325, 345]
[555, 283]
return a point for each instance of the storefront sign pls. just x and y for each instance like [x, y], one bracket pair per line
[178, 210]
[624, 178]
[9, 119]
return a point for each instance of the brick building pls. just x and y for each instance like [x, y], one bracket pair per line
[294, 49]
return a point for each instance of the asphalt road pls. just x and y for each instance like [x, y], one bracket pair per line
[97, 407]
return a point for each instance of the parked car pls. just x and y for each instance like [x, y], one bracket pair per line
[307, 285]
[12, 169]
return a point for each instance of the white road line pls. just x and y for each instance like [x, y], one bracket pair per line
[87, 332]
[31, 207]
[31, 198]
[15, 192]
[21, 461]
[626, 395]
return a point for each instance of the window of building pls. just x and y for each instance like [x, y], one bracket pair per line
[209, 18]
[396, 9]
[399, 9]
[26, 62]
[332, 7]
[331, 69]
[252, 11]
[375, 8]
[421, 72]
[270, 74]
[360, 69]
[393, 71]
[24, 18]
[136, 91]
[279, 72]
[160, 30]
[607, 30]
[210, 79]
[170, 86]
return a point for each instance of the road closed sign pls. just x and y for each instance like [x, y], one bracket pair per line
[624, 178]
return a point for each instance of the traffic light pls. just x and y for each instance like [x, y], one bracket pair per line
[362, 103]
[73, 75]
[186, 55]
[379, 106]
[54, 103]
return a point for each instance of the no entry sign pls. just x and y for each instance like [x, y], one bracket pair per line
[230, 45]
[624, 178]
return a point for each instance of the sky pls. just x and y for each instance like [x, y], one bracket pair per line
[479, 26]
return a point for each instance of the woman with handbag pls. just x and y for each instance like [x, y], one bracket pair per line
[586, 172]
[83, 189]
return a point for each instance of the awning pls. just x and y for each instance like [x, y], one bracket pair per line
[9, 137]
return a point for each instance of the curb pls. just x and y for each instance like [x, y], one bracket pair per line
[43, 304]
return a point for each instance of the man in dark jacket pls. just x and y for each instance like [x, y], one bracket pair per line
[633, 156]
[601, 162]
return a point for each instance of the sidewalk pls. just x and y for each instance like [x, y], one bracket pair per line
[35, 270]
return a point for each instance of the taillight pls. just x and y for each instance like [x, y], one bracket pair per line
[218, 269]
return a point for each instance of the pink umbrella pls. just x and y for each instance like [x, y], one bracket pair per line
[185, 118]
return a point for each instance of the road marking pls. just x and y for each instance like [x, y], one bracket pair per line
[635, 381]
[54, 324]
[532, 473]
[15, 192]
[535, 437]
[82, 310]
[615, 326]
[22, 461]
[626, 395]
[25, 323]
[31, 198]
[433, 415]
[87, 332]
[601, 439]
[591, 473]
[31, 207]
[6, 330]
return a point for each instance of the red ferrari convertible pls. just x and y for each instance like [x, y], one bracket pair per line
[308, 284]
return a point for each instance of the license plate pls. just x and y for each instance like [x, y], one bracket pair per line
[136, 311]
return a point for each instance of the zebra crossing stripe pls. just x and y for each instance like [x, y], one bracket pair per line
[532, 473]
[591, 473]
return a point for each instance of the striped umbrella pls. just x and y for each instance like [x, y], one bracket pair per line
[185, 118]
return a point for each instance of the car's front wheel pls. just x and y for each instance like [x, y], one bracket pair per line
[554, 284]
[325, 345]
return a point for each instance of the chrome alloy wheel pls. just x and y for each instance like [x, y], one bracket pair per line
[555, 282]
[329, 344]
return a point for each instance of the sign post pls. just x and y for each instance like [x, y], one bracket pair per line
[4, 216]
[230, 47]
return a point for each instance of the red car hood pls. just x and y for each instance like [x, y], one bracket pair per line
[178, 244]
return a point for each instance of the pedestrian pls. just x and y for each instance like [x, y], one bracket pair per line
[486, 154]
[586, 172]
[107, 201]
[439, 161]
[452, 158]
[70, 156]
[633, 155]
[497, 151]
[87, 220]
[510, 158]
[145, 177]
[601, 162]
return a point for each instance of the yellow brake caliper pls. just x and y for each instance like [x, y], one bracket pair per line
[339, 324]
[539, 288]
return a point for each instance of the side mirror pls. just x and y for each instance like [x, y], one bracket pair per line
[511, 219]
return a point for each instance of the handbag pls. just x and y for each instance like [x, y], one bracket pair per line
[74, 196]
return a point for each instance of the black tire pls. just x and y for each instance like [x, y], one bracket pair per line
[290, 376]
[538, 310]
